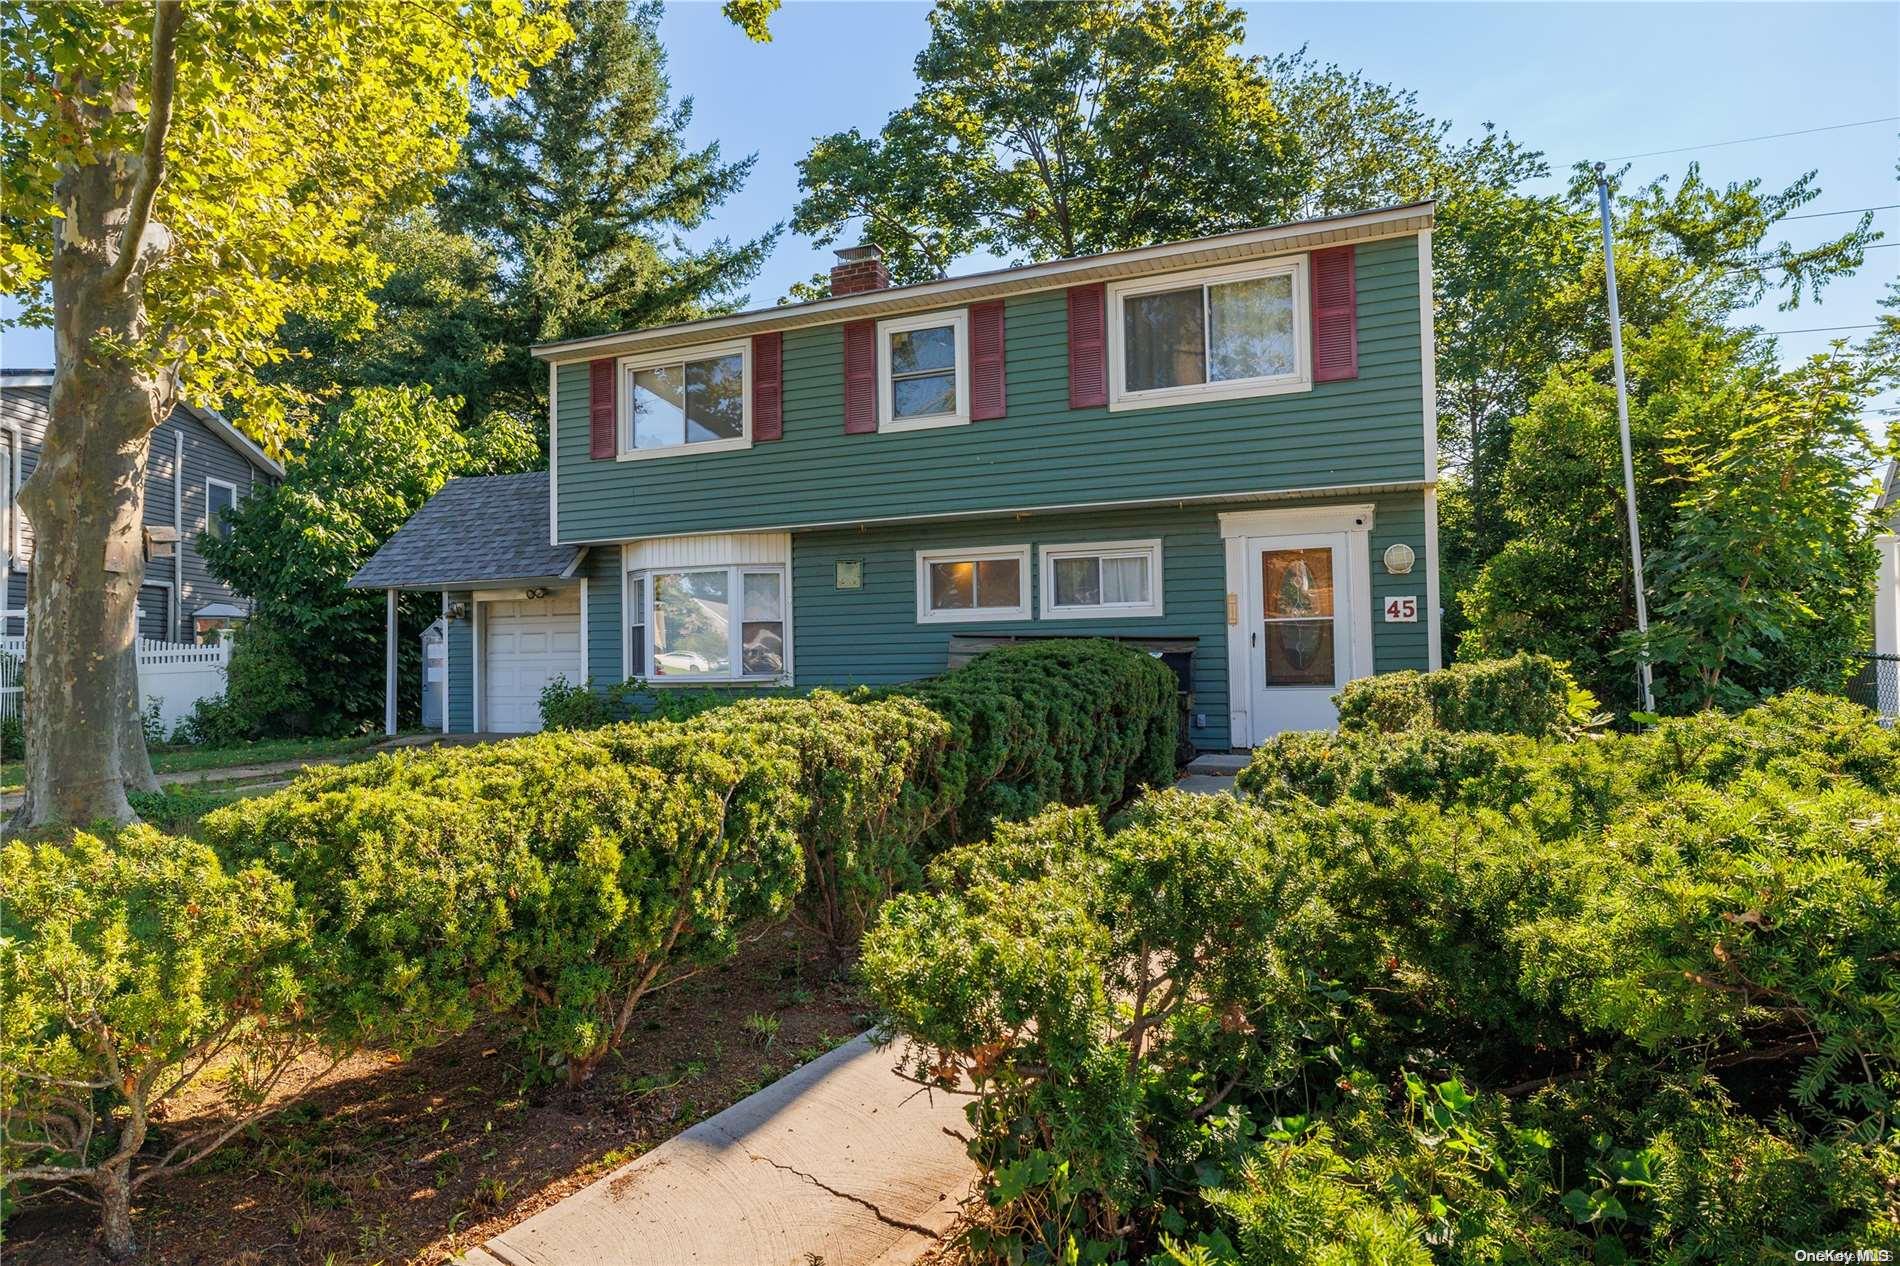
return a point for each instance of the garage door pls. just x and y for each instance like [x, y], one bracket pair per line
[526, 645]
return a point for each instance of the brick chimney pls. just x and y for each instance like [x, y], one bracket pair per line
[859, 268]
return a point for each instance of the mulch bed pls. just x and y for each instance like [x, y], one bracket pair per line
[413, 1160]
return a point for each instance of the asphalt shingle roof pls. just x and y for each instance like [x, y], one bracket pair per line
[485, 528]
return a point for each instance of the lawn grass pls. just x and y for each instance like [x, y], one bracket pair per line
[180, 760]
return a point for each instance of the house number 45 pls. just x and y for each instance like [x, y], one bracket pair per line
[1402, 610]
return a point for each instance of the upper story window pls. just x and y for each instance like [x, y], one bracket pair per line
[923, 371]
[693, 401]
[1214, 335]
[220, 499]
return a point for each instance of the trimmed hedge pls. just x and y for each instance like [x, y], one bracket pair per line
[563, 878]
[1531, 695]
[1436, 998]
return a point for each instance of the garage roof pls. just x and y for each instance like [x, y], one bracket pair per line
[475, 531]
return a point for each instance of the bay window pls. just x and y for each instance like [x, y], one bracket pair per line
[1214, 335]
[707, 624]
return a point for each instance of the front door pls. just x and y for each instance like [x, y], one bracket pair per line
[1301, 642]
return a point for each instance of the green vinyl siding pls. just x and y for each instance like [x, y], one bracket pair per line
[462, 668]
[1369, 430]
[605, 648]
[870, 636]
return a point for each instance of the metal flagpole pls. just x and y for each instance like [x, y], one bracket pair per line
[1623, 428]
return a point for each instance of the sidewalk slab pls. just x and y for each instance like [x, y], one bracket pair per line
[840, 1163]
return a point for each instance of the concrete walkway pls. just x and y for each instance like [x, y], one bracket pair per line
[841, 1163]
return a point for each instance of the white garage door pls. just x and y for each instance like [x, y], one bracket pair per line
[526, 645]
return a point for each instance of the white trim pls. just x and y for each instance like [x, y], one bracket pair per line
[243, 443]
[958, 319]
[477, 678]
[1294, 522]
[973, 554]
[211, 483]
[1301, 379]
[1296, 237]
[389, 666]
[1048, 554]
[1203, 498]
[28, 380]
[627, 366]
[735, 640]
[1428, 355]
[1241, 532]
[1434, 632]
[583, 669]
[554, 456]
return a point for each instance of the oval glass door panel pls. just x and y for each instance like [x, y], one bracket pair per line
[1296, 592]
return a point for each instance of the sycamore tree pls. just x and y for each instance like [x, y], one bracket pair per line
[179, 177]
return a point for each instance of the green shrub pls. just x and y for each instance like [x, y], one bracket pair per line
[1069, 721]
[136, 969]
[1531, 695]
[563, 878]
[565, 706]
[1436, 997]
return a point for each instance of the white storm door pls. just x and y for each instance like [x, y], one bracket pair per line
[1300, 644]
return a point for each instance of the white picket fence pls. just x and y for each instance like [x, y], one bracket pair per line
[177, 674]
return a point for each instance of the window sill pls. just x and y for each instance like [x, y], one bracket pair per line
[1201, 394]
[923, 424]
[1145, 611]
[975, 616]
[722, 683]
[685, 450]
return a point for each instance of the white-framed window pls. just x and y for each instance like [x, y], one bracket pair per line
[698, 400]
[1101, 580]
[1218, 334]
[923, 371]
[706, 624]
[220, 498]
[961, 586]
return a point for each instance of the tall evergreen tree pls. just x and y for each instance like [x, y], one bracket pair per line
[581, 186]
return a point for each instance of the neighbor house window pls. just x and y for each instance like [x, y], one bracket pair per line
[963, 585]
[923, 371]
[1209, 336]
[220, 499]
[707, 624]
[695, 401]
[1102, 580]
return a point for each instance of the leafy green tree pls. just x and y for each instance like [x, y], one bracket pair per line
[294, 547]
[1045, 130]
[179, 178]
[1750, 494]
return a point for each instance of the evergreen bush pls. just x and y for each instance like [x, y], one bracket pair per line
[1526, 694]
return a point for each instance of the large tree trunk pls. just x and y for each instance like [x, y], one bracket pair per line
[85, 743]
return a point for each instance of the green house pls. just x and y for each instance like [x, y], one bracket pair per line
[1222, 448]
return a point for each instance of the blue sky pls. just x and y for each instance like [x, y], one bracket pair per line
[1579, 81]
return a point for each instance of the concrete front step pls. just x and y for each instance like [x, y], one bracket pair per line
[1219, 763]
[841, 1162]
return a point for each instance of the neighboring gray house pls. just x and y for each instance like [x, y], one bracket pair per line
[200, 464]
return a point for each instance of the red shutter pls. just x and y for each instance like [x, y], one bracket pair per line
[603, 415]
[860, 377]
[1335, 315]
[768, 398]
[987, 400]
[1088, 346]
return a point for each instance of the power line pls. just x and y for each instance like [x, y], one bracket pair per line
[1825, 329]
[1745, 140]
[1815, 215]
